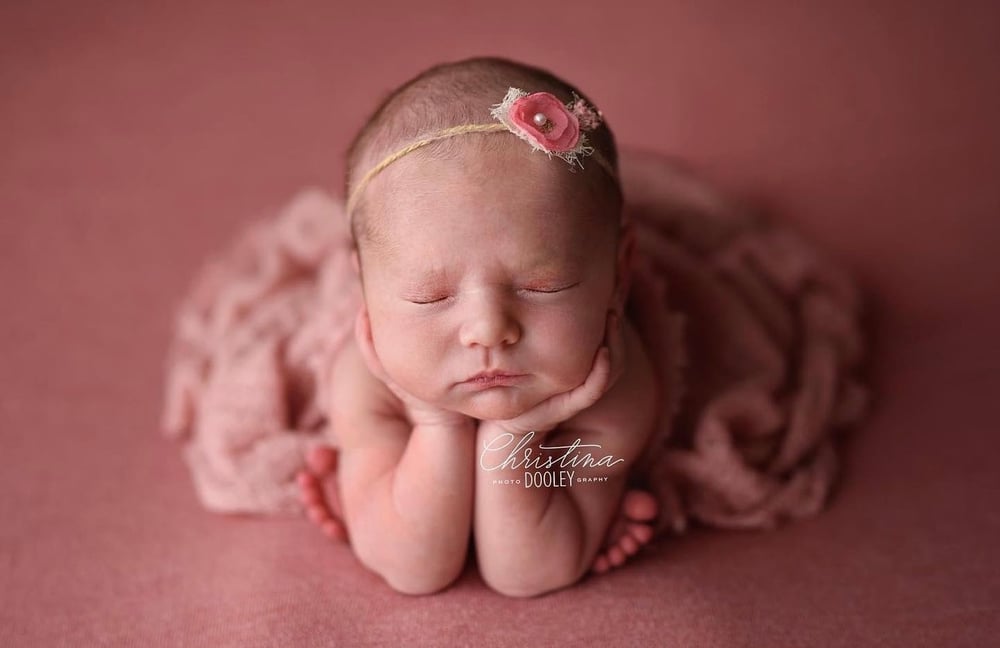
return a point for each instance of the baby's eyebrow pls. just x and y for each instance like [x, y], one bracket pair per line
[550, 265]
[420, 281]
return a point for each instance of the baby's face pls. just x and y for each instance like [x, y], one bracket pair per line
[488, 262]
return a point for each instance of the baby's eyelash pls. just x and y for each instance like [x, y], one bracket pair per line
[431, 298]
[552, 290]
[541, 291]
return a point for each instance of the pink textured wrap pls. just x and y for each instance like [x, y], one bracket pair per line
[756, 338]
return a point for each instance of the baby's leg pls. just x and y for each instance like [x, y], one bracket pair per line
[318, 491]
[630, 530]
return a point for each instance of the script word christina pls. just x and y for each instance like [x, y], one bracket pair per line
[521, 456]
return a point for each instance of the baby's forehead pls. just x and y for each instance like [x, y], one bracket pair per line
[433, 254]
[519, 199]
[438, 224]
[524, 181]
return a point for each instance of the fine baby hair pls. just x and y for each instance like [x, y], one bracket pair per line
[489, 99]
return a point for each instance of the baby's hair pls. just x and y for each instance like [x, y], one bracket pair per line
[450, 94]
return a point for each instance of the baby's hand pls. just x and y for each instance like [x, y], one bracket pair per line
[420, 412]
[609, 365]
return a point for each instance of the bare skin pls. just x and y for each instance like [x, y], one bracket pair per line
[495, 262]
[626, 535]
[582, 526]
[633, 509]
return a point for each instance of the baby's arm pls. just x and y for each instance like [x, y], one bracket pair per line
[533, 540]
[406, 489]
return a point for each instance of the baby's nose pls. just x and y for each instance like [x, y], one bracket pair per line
[489, 321]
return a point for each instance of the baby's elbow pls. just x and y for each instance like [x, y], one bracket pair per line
[535, 583]
[414, 577]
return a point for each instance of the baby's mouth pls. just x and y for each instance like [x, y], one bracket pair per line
[487, 379]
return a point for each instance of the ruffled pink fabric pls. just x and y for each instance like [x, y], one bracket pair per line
[755, 336]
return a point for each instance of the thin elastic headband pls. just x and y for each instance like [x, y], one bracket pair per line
[539, 119]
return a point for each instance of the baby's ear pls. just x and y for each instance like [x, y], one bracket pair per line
[623, 267]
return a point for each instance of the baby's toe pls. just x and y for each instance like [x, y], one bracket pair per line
[601, 565]
[616, 556]
[309, 488]
[629, 545]
[306, 479]
[640, 505]
[310, 495]
[334, 530]
[642, 533]
[318, 514]
[322, 460]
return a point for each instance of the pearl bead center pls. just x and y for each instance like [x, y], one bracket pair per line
[540, 119]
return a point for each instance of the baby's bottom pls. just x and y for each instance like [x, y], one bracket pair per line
[628, 532]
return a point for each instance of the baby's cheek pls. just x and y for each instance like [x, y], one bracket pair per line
[414, 360]
[403, 358]
[567, 348]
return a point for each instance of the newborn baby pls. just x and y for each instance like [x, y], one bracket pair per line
[495, 389]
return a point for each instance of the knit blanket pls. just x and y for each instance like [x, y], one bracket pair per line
[755, 336]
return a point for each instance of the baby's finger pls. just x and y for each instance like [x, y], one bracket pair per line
[561, 407]
[568, 404]
[596, 383]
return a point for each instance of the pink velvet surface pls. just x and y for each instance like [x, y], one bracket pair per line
[137, 139]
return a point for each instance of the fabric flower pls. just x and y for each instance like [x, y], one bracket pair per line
[548, 125]
[545, 119]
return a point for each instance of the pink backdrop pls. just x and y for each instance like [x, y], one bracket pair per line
[136, 140]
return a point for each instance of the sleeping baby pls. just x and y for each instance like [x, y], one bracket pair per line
[495, 397]
[513, 345]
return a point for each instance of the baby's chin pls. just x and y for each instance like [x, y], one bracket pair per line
[498, 404]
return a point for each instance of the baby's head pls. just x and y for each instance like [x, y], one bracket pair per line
[478, 253]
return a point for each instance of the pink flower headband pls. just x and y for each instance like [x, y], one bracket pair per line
[539, 119]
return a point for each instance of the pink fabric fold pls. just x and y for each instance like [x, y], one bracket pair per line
[755, 336]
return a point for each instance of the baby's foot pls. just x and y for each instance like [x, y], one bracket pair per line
[318, 492]
[632, 529]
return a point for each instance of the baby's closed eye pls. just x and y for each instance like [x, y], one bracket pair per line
[533, 289]
[427, 300]
[550, 288]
